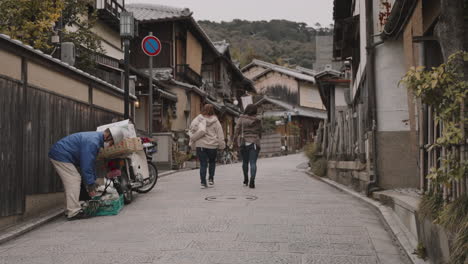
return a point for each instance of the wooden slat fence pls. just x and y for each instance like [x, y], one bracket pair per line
[432, 158]
[31, 120]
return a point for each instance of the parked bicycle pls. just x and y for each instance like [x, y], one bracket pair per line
[227, 156]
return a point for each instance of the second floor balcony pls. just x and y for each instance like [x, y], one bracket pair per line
[186, 74]
[109, 11]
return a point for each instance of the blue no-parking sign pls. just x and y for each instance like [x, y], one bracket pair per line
[151, 45]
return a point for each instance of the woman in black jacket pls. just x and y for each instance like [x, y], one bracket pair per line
[247, 134]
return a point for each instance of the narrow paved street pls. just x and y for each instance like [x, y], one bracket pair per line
[290, 218]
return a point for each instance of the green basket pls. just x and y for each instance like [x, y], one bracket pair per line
[99, 207]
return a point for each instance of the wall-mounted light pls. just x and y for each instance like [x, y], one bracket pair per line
[137, 104]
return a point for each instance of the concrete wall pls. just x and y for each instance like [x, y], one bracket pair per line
[392, 100]
[324, 53]
[310, 96]
[350, 173]
[51, 80]
[397, 165]
[13, 66]
[397, 159]
[111, 42]
[35, 205]
[194, 53]
[108, 101]
[436, 241]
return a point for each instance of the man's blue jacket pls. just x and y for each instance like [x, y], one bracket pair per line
[81, 149]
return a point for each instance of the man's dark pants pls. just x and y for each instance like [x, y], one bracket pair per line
[249, 156]
[207, 159]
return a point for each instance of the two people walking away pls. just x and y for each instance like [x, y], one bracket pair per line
[207, 136]
[247, 134]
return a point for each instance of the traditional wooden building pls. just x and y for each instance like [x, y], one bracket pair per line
[297, 123]
[290, 95]
[291, 85]
[191, 69]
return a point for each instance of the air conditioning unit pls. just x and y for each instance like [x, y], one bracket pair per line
[67, 53]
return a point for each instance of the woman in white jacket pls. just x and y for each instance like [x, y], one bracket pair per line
[207, 136]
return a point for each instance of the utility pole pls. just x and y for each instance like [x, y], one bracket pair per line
[150, 99]
[127, 79]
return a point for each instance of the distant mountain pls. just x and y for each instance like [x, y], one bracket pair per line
[277, 41]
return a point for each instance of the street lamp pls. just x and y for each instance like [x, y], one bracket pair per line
[127, 30]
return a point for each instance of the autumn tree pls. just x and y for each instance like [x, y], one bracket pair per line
[35, 21]
[31, 21]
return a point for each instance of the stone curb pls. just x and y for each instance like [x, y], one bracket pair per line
[17, 230]
[20, 229]
[166, 173]
[389, 217]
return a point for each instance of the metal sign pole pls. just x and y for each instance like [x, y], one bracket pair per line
[150, 101]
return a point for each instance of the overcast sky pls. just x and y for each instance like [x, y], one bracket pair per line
[308, 11]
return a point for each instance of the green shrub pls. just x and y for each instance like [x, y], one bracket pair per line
[453, 217]
[317, 164]
[459, 254]
[319, 167]
[311, 152]
[454, 213]
[430, 206]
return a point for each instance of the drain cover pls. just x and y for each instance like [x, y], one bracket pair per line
[224, 198]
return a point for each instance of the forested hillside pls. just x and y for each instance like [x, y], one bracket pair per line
[277, 41]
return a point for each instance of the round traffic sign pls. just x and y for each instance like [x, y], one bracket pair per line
[151, 45]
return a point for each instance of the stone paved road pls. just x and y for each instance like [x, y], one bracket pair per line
[296, 219]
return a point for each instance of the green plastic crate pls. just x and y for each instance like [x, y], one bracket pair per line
[99, 207]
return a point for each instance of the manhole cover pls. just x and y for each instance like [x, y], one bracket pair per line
[223, 198]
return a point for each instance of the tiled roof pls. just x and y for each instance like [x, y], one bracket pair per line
[188, 86]
[151, 12]
[306, 71]
[292, 109]
[328, 72]
[285, 70]
[167, 95]
[61, 63]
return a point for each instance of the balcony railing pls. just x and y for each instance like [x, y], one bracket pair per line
[107, 61]
[111, 77]
[185, 73]
[109, 11]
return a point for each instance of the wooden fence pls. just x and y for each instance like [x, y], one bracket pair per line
[343, 138]
[31, 120]
[432, 158]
